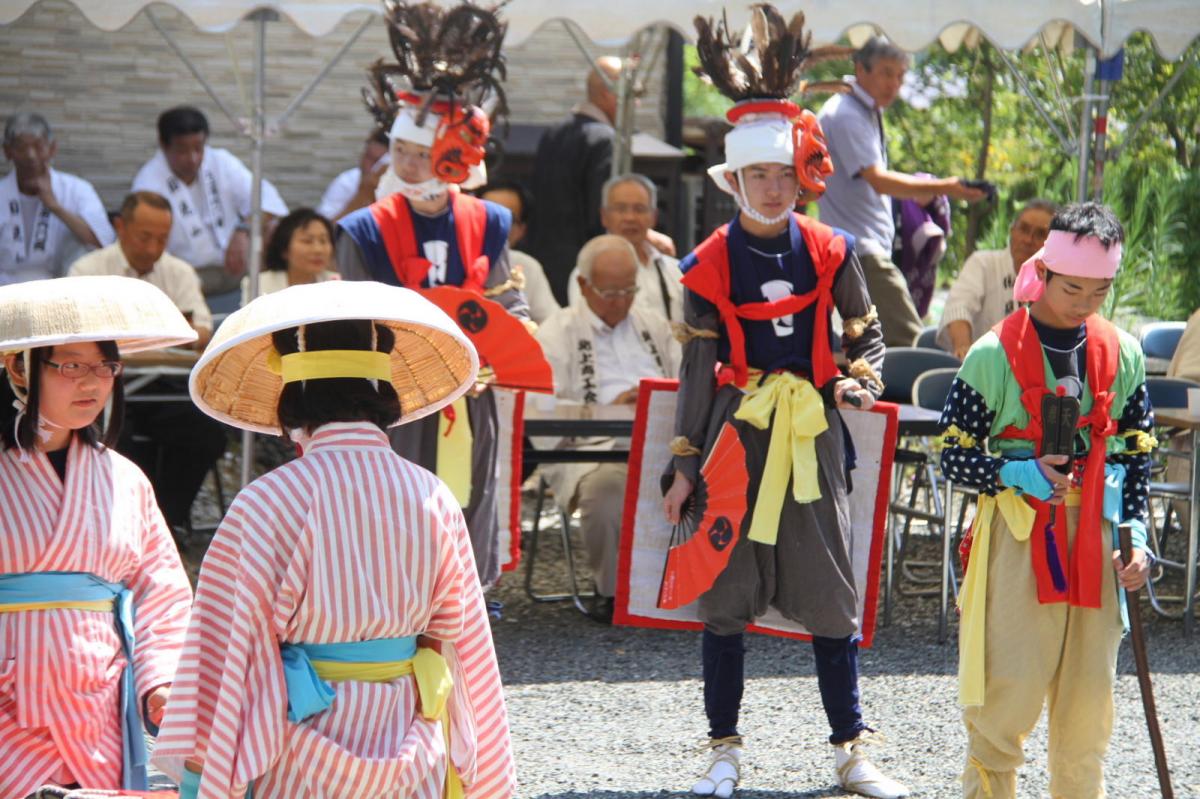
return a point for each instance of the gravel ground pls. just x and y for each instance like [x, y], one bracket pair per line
[617, 713]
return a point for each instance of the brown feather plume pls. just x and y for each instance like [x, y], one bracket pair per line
[769, 63]
[445, 54]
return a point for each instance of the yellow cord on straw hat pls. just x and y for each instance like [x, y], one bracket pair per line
[324, 364]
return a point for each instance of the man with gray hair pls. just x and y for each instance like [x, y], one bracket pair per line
[856, 197]
[600, 349]
[629, 209]
[47, 218]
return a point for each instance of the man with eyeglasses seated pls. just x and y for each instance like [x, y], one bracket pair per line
[600, 349]
[629, 209]
[982, 293]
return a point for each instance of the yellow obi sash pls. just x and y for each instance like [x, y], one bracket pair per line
[307, 666]
[1019, 517]
[800, 418]
[454, 448]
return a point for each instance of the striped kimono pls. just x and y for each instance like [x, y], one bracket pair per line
[60, 670]
[350, 542]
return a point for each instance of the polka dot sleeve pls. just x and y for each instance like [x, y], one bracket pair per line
[1137, 418]
[966, 423]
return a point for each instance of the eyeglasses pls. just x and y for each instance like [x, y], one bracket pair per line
[1026, 229]
[616, 294]
[74, 370]
[627, 208]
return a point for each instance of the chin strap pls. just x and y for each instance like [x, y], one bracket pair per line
[426, 190]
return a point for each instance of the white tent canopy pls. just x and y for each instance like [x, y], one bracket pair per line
[913, 24]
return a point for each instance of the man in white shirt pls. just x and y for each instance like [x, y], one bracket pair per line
[355, 188]
[856, 195]
[173, 442]
[600, 349]
[47, 218]
[517, 199]
[629, 209]
[982, 293]
[143, 228]
[209, 190]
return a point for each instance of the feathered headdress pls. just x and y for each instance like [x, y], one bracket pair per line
[768, 63]
[759, 72]
[448, 65]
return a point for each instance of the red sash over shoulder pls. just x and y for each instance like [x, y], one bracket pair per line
[710, 279]
[394, 219]
[1090, 553]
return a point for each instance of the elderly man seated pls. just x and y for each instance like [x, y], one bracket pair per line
[48, 218]
[173, 442]
[982, 293]
[629, 209]
[600, 349]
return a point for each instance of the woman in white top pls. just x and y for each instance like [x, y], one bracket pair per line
[300, 250]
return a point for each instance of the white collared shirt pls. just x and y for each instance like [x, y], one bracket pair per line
[175, 277]
[621, 359]
[653, 275]
[42, 246]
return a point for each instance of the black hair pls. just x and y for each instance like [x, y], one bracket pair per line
[1089, 219]
[275, 255]
[131, 202]
[312, 403]
[518, 188]
[380, 136]
[182, 120]
[25, 433]
[878, 48]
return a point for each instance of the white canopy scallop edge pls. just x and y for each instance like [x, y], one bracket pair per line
[913, 24]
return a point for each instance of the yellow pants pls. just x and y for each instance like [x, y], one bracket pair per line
[1035, 654]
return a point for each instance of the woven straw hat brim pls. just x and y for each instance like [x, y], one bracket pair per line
[131, 312]
[433, 362]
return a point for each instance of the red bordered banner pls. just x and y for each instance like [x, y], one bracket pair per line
[645, 533]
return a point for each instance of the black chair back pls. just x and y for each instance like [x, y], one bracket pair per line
[903, 365]
[932, 388]
[1169, 392]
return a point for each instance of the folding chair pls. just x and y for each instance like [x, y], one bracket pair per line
[901, 368]
[927, 339]
[1159, 339]
[531, 548]
[1167, 392]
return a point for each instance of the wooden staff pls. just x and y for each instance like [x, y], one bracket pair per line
[1138, 635]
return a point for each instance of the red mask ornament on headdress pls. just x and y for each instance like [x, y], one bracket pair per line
[812, 160]
[460, 143]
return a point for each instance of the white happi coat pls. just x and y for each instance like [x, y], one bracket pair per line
[350, 542]
[568, 340]
[45, 247]
[60, 670]
[201, 228]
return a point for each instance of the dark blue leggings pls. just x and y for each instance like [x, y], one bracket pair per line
[724, 659]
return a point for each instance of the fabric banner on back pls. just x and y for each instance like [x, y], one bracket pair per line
[646, 534]
[510, 411]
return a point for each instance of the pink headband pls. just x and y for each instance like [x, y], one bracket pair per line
[1065, 256]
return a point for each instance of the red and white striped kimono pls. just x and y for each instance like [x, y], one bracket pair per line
[348, 543]
[60, 670]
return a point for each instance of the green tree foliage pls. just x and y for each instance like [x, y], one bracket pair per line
[968, 115]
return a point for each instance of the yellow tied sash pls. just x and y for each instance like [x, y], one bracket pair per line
[1019, 517]
[454, 446]
[434, 684]
[800, 418]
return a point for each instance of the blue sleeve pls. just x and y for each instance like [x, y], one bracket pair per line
[964, 459]
[499, 222]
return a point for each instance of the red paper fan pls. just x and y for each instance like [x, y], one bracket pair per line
[504, 344]
[718, 505]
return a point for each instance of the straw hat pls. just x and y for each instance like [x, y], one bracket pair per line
[46, 313]
[433, 363]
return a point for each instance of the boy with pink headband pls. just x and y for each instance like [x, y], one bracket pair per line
[1042, 616]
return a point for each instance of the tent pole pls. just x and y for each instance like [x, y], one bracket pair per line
[258, 130]
[1085, 122]
[1133, 130]
[282, 119]
[195, 70]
